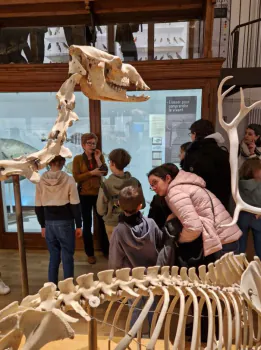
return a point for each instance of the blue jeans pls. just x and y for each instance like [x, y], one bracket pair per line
[246, 222]
[60, 238]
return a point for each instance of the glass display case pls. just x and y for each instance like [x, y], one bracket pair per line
[151, 132]
[26, 119]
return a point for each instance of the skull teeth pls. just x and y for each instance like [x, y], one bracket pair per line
[116, 87]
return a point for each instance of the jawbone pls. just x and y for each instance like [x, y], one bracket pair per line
[105, 77]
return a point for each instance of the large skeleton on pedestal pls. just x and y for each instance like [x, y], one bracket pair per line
[230, 288]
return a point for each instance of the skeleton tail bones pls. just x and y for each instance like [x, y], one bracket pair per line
[230, 288]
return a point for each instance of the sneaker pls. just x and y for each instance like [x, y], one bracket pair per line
[4, 289]
[91, 260]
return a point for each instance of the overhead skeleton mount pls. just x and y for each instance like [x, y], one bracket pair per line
[101, 77]
[22, 13]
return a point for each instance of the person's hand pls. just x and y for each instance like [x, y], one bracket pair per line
[171, 216]
[78, 233]
[97, 172]
[251, 147]
[97, 154]
[43, 232]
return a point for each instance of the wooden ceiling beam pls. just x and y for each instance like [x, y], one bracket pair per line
[104, 19]
[42, 10]
[21, 13]
[49, 77]
[117, 6]
[28, 2]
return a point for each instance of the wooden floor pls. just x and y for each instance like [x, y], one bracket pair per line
[37, 264]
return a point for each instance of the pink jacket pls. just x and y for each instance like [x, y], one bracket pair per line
[189, 201]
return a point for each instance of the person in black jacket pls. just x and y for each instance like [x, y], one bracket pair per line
[206, 158]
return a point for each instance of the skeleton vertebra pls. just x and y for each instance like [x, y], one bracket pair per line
[231, 285]
[101, 77]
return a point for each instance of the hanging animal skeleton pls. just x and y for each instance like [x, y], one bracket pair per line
[101, 77]
[230, 288]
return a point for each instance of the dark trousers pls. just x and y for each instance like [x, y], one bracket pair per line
[247, 222]
[60, 239]
[191, 255]
[88, 205]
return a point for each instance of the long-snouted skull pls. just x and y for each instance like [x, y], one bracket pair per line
[104, 76]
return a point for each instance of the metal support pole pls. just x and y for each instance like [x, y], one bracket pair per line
[92, 330]
[20, 233]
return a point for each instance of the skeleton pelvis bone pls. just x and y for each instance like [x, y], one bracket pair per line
[104, 76]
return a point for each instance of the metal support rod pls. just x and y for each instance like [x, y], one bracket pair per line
[20, 234]
[92, 330]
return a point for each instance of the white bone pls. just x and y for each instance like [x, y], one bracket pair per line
[211, 288]
[161, 318]
[131, 334]
[231, 129]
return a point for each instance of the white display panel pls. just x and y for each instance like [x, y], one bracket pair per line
[151, 131]
[26, 120]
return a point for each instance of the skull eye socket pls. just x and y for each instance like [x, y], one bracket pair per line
[106, 69]
[70, 58]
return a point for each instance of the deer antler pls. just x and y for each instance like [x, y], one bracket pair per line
[231, 129]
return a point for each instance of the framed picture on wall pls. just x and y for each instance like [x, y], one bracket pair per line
[157, 140]
[156, 155]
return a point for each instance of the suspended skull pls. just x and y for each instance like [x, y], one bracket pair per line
[104, 76]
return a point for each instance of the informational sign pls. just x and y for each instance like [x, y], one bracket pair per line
[180, 114]
[157, 125]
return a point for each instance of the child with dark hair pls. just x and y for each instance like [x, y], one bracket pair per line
[107, 203]
[250, 146]
[135, 241]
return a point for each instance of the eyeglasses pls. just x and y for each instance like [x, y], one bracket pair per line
[153, 185]
[91, 143]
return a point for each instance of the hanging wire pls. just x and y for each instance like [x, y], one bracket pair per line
[118, 328]
[167, 313]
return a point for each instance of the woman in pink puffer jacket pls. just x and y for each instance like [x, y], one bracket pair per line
[199, 211]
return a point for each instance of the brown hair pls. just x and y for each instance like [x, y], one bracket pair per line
[59, 160]
[130, 198]
[120, 158]
[247, 170]
[88, 136]
[163, 170]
